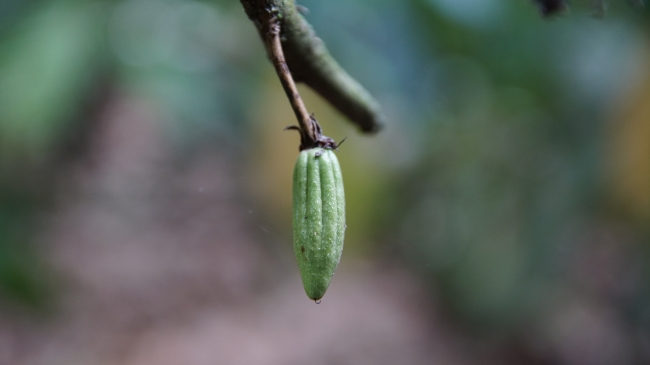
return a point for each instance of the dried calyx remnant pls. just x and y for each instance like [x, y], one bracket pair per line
[298, 54]
[308, 141]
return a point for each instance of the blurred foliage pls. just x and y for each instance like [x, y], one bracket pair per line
[514, 140]
[513, 175]
[57, 61]
[48, 63]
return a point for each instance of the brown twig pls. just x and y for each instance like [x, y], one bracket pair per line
[274, 47]
[310, 131]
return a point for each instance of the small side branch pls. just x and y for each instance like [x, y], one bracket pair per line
[551, 7]
[309, 62]
[274, 48]
[310, 132]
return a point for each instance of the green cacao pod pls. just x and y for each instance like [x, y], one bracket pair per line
[318, 218]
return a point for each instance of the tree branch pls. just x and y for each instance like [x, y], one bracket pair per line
[310, 62]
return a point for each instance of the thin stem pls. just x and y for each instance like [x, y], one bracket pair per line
[274, 45]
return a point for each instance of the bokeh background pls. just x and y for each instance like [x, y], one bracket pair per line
[501, 217]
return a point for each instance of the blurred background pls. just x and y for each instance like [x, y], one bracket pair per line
[501, 217]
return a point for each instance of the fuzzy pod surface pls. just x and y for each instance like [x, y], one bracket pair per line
[318, 218]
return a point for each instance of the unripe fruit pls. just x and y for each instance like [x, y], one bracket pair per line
[318, 218]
